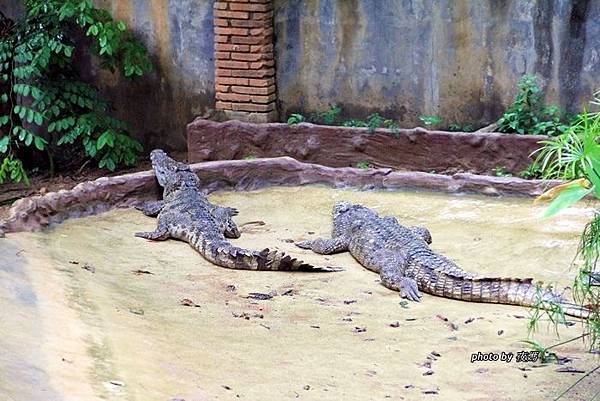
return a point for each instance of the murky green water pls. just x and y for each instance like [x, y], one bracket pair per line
[104, 332]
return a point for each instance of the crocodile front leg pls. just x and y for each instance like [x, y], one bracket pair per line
[160, 234]
[326, 246]
[151, 209]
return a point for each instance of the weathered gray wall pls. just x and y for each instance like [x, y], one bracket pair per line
[458, 59]
[179, 36]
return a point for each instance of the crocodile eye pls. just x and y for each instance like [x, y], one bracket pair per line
[341, 207]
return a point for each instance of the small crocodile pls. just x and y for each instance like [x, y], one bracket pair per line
[184, 213]
[405, 263]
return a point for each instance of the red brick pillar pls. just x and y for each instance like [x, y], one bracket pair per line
[244, 63]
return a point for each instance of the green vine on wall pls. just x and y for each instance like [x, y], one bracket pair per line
[43, 103]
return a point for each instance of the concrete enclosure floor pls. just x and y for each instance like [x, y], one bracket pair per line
[90, 312]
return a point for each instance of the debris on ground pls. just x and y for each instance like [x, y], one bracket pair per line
[188, 302]
[451, 325]
[247, 316]
[569, 369]
[259, 296]
[139, 272]
[89, 268]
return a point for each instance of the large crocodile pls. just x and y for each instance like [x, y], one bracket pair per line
[184, 213]
[405, 263]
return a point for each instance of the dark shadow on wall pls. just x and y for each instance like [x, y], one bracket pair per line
[179, 38]
[574, 45]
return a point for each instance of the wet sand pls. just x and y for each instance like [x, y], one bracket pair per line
[79, 324]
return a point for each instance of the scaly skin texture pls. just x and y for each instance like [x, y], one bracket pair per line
[405, 263]
[186, 214]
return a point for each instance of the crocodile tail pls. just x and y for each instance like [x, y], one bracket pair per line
[510, 291]
[222, 253]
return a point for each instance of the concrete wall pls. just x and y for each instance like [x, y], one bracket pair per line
[179, 36]
[458, 59]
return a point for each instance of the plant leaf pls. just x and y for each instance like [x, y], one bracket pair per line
[4, 143]
[568, 196]
[39, 142]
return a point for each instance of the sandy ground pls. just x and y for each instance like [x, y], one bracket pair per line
[79, 323]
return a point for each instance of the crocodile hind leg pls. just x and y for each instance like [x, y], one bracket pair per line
[151, 209]
[160, 234]
[422, 233]
[224, 217]
[325, 246]
[392, 278]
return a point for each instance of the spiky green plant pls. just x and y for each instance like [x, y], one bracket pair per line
[576, 155]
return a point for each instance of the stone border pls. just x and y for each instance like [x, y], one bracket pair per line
[408, 149]
[92, 197]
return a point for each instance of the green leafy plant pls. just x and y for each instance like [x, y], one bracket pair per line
[532, 171]
[500, 171]
[354, 123]
[528, 114]
[43, 104]
[374, 121]
[455, 127]
[543, 307]
[430, 121]
[564, 156]
[363, 165]
[295, 118]
[329, 116]
[576, 154]
[543, 353]
[392, 126]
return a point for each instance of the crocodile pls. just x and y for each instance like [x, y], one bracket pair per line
[184, 213]
[405, 263]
